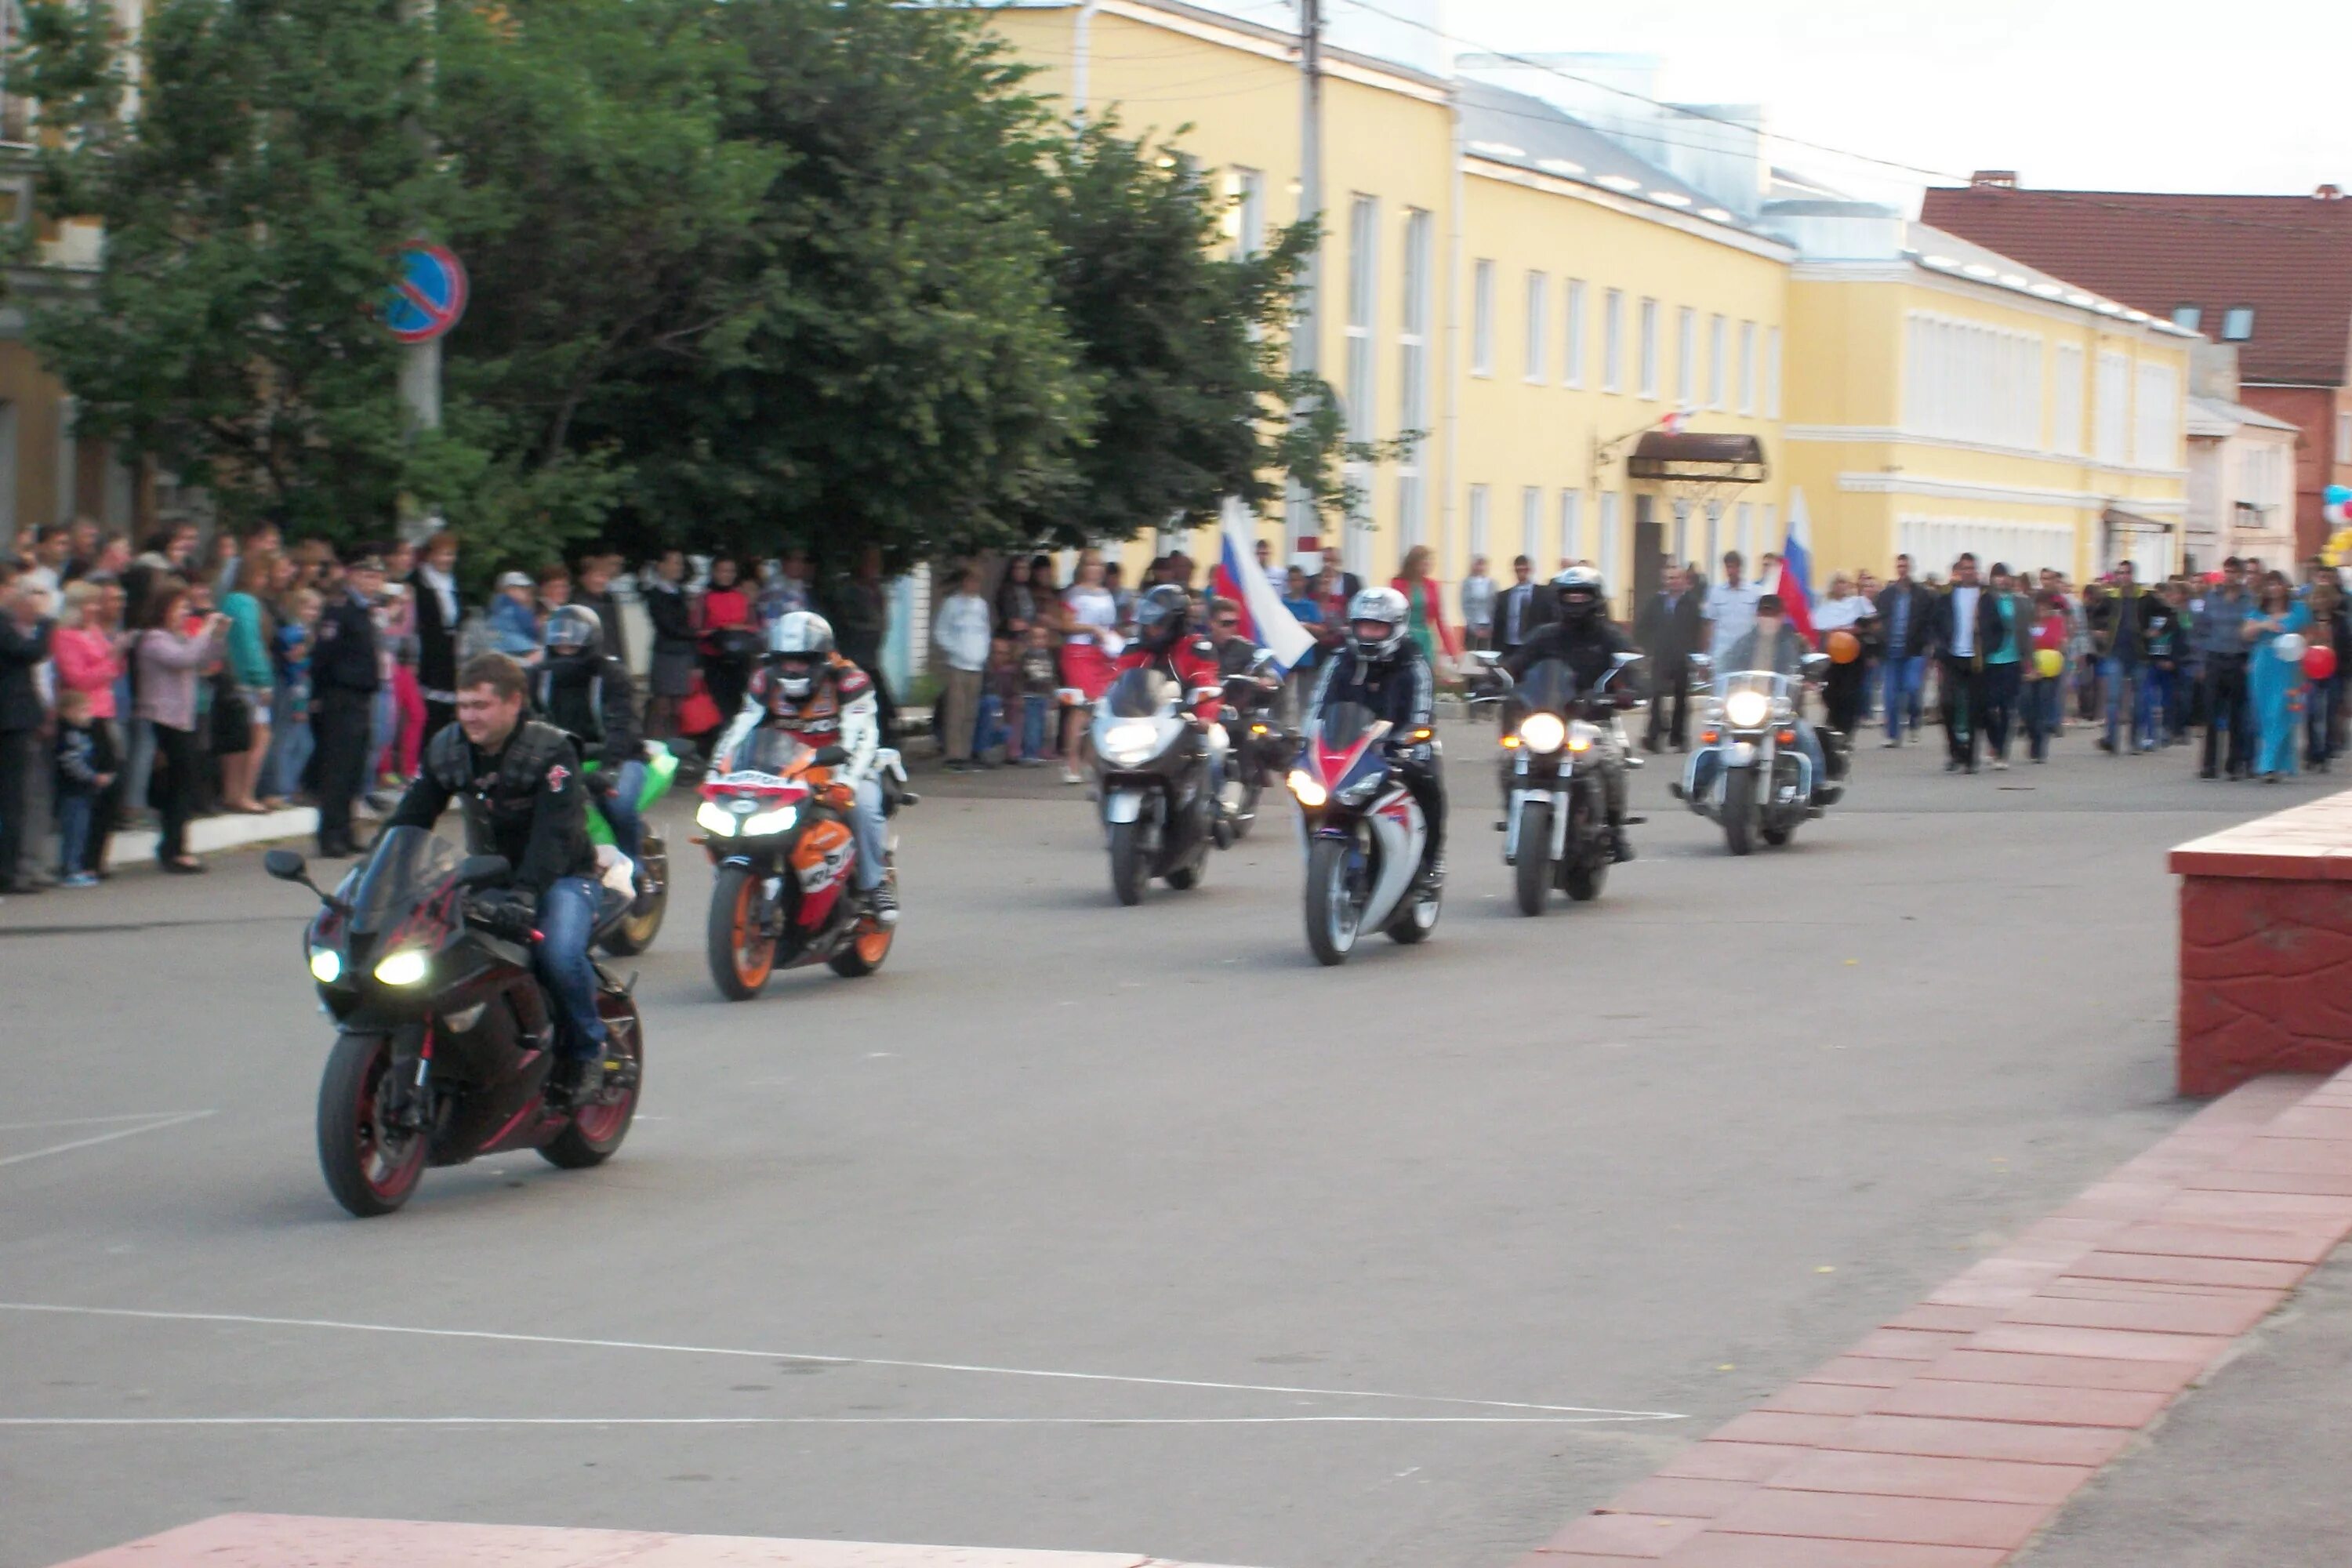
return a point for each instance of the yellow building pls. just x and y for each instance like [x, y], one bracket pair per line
[1942, 397]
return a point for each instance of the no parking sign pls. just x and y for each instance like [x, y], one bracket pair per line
[430, 295]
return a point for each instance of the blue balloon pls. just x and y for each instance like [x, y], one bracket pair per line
[2339, 493]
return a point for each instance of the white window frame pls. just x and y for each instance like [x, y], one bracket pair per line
[2066, 401]
[1482, 318]
[1531, 521]
[1249, 211]
[2232, 317]
[1479, 510]
[1717, 338]
[1573, 303]
[2111, 410]
[1612, 340]
[1686, 357]
[2343, 437]
[1538, 323]
[2155, 417]
[1611, 520]
[1649, 350]
[1413, 372]
[1748, 368]
[1746, 531]
[1772, 373]
[1360, 391]
[1571, 526]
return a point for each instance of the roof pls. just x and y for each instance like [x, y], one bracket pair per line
[1943, 251]
[1506, 127]
[2216, 416]
[2290, 257]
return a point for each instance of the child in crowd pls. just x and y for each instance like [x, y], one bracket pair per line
[84, 768]
[1000, 696]
[291, 741]
[1040, 680]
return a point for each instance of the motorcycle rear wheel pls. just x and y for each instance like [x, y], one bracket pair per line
[636, 933]
[1533, 870]
[740, 959]
[595, 1132]
[867, 950]
[1334, 915]
[371, 1169]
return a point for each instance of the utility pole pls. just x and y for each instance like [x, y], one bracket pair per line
[1307, 333]
[420, 364]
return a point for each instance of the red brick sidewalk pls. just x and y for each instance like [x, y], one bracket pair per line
[1949, 1435]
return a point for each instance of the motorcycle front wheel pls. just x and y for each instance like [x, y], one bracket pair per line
[1334, 913]
[1534, 867]
[741, 958]
[1130, 866]
[1740, 811]
[370, 1166]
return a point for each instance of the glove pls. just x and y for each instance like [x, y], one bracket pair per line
[602, 783]
[509, 915]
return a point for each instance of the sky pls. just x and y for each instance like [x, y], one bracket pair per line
[2248, 96]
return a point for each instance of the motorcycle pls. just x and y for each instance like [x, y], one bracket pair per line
[1255, 746]
[1747, 772]
[650, 900]
[1158, 817]
[445, 1037]
[1556, 807]
[1364, 835]
[783, 893]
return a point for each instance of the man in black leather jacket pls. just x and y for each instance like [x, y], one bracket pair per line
[1584, 637]
[518, 782]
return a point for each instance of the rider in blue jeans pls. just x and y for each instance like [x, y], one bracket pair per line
[1905, 608]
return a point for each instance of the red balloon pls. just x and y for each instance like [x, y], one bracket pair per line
[2319, 662]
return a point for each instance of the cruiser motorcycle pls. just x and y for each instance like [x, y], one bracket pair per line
[1556, 805]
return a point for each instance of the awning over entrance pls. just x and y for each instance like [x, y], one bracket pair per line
[2119, 520]
[1696, 457]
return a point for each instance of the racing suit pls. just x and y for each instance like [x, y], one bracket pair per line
[593, 700]
[839, 710]
[1590, 648]
[1403, 691]
[526, 802]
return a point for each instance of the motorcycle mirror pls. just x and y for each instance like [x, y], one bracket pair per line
[1487, 656]
[483, 870]
[1815, 663]
[285, 865]
[1623, 660]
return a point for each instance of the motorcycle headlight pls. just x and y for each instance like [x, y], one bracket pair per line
[1542, 732]
[326, 965]
[713, 818]
[1746, 709]
[1581, 736]
[775, 821]
[407, 967]
[1307, 788]
[1130, 741]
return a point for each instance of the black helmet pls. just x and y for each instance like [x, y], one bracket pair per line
[1579, 594]
[574, 629]
[1161, 615]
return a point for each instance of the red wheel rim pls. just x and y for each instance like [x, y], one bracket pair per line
[754, 954]
[389, 1160]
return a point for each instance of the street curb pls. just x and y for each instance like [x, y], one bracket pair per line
[1951, 1435]
[210, 835]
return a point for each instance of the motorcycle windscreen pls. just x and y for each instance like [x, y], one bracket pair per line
[1549, 686]
[1140, 694]
[1343, 724]
[770, 751]
[407, 864]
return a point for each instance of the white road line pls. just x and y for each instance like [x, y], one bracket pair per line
[174, 1120]
[820, 1420]
[88, 1120]
[826, 1360]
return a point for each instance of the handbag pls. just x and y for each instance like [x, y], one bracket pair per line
[232, 733]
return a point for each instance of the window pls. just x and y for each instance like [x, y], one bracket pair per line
[1772, 540]
[1363, 277]
[1572, 371]
[1538, 333]
[2188, 318]
[1746, 531]
[1413, 372]
[1686, 357]
[1716, 543]
[1612, 340]
[1248, 222]
[1478, 519]
[2111, 413]
[1571, 527]
[1609, 537]
[1649, 348]
[2066, 401]
[2237, 323]
[1969, 381]
[1715, 368]
[1482, 318]
[2343, 437]
[1532, 522]
[2156, 438]
[1772, 373]
[1747, 367]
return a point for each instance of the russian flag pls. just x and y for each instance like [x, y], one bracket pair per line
[1266, 619]
[1792, 578]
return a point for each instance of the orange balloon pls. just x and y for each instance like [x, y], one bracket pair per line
[1844, 647]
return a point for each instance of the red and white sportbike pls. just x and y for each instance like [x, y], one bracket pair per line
[1365, 833]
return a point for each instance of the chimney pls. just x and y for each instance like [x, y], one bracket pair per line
[1994, 179]
[2329, 193]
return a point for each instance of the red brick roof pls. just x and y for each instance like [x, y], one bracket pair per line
[2290, 257]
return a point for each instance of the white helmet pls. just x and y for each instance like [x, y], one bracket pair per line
[799, 646]
[1384, 607]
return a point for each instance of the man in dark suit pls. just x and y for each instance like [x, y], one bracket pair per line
[1906, 610]
[434, 591]
[1966, 626]
[1667, 629]
[25, 630]
[345, 670]
[1522, 607]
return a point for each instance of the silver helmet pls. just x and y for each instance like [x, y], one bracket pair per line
[1384, 608]
[799, 646]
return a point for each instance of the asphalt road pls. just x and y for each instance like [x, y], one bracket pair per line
[1130, 1229]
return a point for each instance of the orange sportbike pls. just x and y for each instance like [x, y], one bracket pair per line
[785, 890]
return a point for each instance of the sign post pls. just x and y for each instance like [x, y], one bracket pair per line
[428, 300]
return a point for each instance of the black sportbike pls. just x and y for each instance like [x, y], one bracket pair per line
[445, 1034]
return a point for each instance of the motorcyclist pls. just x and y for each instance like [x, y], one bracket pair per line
[1239, 660]
[588, 694]
[1381, 667]
[1582, 637]
[1164, 642]
[518, 782]
[1774, 644]
[804, 687]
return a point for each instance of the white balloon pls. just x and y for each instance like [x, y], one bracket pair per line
[2291, 648]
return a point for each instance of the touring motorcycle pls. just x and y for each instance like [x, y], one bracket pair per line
[1158, 817]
